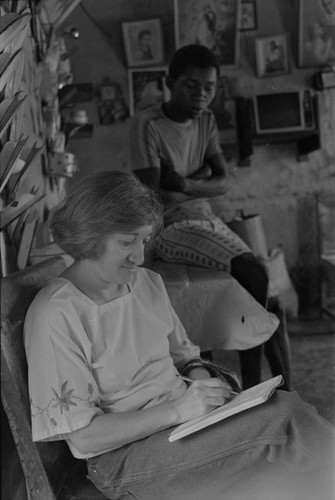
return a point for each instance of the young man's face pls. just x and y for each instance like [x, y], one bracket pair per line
[193, 91]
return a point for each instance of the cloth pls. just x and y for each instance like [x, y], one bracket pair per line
[218, 313]
[206, 243]
[215, 462]
[86, 359]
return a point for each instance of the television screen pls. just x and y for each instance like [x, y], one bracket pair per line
[279, 111]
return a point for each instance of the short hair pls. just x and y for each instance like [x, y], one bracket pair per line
[192, 55]
[100, 205]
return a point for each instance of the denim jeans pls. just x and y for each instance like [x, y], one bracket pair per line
[280, 450]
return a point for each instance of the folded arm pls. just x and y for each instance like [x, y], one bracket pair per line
[210, 180]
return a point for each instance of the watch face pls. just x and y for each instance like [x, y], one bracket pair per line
[328, 79]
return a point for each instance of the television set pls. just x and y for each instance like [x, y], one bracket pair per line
[284, 112]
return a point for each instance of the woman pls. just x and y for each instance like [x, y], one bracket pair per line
[104, 348]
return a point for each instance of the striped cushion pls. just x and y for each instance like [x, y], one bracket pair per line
[207, 243]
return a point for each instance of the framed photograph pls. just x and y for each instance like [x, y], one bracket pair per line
[248, 17]
[316, 33]
[111, 104]
[213, 23]
[272, 55]
[143, 42]
[146, 88]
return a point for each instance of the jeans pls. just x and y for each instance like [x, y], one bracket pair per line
[280, 450]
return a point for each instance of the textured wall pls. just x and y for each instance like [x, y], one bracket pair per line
[275, 185]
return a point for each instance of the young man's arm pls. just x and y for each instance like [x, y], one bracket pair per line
[210, 180]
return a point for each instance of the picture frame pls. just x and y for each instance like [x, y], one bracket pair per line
[143, 42]
[212, 23]
[272, 55]
[111, 104]
[316, 44]
[146, 88]
[248, 16]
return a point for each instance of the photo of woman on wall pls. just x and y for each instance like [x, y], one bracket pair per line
[316, 32]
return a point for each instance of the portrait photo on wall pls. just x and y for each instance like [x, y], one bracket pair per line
[146, 88]
[143, 42]
[212, 23]
[248, 17]
[272, 55]
[316, 33]
[111, 104]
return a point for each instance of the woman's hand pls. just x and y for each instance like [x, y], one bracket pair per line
[201, 397]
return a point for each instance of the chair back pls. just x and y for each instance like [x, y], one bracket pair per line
[44, 463]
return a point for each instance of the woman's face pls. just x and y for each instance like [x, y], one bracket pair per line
[123, 253]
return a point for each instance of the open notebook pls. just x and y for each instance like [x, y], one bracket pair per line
[246, 399]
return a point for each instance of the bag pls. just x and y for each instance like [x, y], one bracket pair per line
[280, 279]
[250, 230]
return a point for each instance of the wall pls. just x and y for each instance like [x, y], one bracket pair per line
[275, 185]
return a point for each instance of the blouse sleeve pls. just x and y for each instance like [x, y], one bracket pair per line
[63, 394]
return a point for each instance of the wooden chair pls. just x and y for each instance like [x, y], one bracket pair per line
[50, 471]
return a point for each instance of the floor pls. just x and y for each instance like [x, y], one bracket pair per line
[313, 363]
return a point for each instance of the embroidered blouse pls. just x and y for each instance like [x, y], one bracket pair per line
[86, 359]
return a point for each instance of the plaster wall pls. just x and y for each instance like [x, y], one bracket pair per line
[276, 185]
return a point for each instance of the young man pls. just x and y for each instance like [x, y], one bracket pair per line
[174, 148]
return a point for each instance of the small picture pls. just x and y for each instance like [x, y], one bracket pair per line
[316, 33]
[272, 55]
[248, 18]
[143, 42]
[146, 88]
[212, 23]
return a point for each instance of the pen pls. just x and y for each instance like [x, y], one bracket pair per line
[188, 379]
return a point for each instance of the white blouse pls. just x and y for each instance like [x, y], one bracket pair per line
[86, 359]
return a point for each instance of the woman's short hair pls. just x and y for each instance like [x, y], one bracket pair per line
[100, 205]
[192, 55]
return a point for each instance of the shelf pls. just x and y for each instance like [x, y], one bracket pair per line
[284, 137]
[306, 140]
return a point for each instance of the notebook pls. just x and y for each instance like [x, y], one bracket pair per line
[241, 402]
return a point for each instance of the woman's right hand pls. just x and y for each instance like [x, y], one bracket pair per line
[201, 397]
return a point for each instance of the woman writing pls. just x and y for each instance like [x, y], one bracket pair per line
[104, 348]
